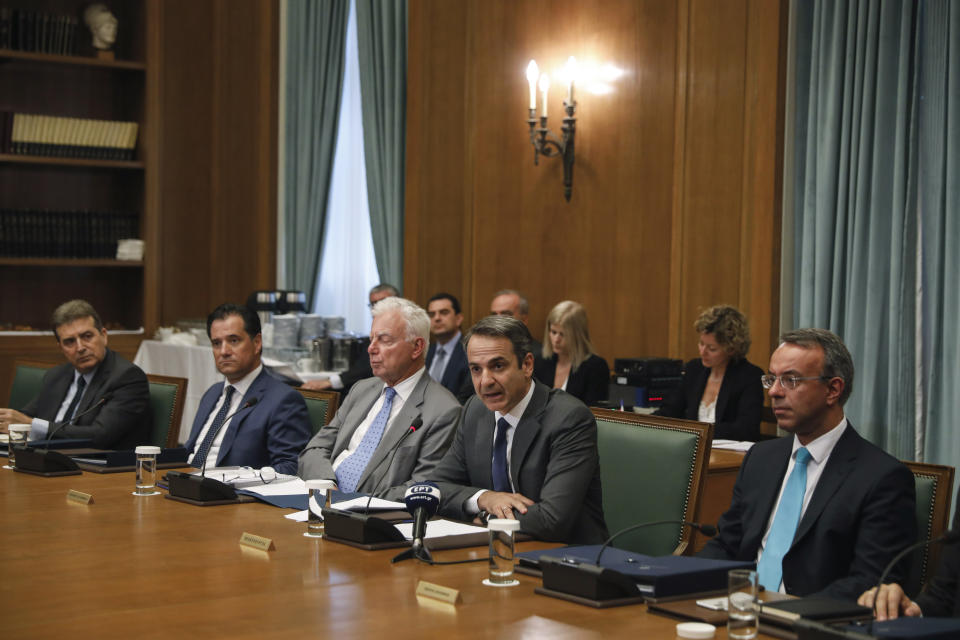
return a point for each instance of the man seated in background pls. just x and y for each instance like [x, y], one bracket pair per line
[251, 419]
[357, 448]
[446, 359]
[96, 395]
[359, 370]
[521, 450]
[822, 511]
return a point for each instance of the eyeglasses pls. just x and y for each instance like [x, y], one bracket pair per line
[247, 476]
[787, 382]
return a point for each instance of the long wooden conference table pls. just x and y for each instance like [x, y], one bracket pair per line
[127, 566]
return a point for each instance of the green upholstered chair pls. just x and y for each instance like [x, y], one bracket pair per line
[27, 381]
[322, 406]
[934, 485]
[167, 394]
[652, 468]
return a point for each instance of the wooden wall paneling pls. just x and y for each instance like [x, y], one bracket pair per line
[219, 170]
[435, 211]
[763, 172]
[151, 151]
[663, 220]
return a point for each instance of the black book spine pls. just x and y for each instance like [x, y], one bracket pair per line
[5, 28]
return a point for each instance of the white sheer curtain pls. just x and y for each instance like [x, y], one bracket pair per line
[348, 268]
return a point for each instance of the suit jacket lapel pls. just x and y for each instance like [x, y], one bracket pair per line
[842, 461]
[410, 410]
[527, 431]
[726, 385]
[94, 391]
[767, 491]
[453, 366]
[256, 390]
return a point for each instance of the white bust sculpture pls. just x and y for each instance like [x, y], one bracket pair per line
[102, 24]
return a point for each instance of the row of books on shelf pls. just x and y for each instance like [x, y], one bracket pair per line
[35, 233]
[30, 134]
[38, 31]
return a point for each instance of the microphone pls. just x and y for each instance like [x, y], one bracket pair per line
[194, 489]
[951, 536]
[422, 500]
[416, 424]
[44, 461]
[706, 529]
[246, 405]
[96, 405]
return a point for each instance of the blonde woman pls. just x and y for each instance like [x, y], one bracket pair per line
[569, 362]
[720, 386]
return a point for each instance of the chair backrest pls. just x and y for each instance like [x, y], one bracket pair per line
[652, 468]
[167, 394]
[27, 382]
[321, 405]
[934, 484]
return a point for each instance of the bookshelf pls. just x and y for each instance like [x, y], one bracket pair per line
[83, 85]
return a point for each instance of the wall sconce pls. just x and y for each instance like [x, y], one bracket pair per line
[544, 142]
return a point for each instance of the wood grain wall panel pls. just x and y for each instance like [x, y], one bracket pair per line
[675, 198]
[219, 168]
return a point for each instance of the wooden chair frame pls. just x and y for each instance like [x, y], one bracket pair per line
[332, 398]
[173, 428]
[939, 520]
[704, 433]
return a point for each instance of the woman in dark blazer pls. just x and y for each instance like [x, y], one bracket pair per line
[569, 362]
[721, 386]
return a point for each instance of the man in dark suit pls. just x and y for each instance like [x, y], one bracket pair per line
[521, 450]
[252, 419]
[106, 396]
[359, 370]
[446, 358]
[822, 511]
[940, 599]
[356, 449]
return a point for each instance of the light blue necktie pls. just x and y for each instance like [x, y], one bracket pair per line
[770, 567]
[436, 371]
[349, 472]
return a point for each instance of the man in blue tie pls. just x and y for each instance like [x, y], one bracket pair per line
[97, 394]
[446, 358]
[392, 429]
[522, 450]
[822, 511]
[251, 418]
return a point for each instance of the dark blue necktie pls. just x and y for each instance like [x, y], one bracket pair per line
[214, 429]
[501, 476]
[72, 409]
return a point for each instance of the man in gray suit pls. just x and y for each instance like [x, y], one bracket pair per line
[401, 409]
[521, 450]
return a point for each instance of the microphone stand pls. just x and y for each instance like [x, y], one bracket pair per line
[201, 490]
[47, 462]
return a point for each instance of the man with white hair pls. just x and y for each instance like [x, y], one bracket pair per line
[401, 408]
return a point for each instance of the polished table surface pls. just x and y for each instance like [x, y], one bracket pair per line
[147, 566]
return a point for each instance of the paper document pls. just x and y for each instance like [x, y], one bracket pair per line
[377, 504]
[277, 484]
[732, 445]
[441, 528]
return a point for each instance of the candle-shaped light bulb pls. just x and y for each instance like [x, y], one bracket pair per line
[571, 73]
[544, 87]
[533, 72]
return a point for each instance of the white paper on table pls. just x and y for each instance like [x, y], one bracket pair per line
[298, 516]
[377, 504]
[291, 486]
[732, 445]
[441, 528]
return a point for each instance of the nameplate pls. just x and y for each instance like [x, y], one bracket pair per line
[79, 497]
[438, 592]
[257, 542]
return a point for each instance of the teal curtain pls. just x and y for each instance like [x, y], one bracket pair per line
[876, 178]
[382, 45]
[854, 228]
[939, 205]
[316, 34]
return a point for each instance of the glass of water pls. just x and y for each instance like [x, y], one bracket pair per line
[146, 471]
[17, 436]
[501, 552]
[742, 607]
